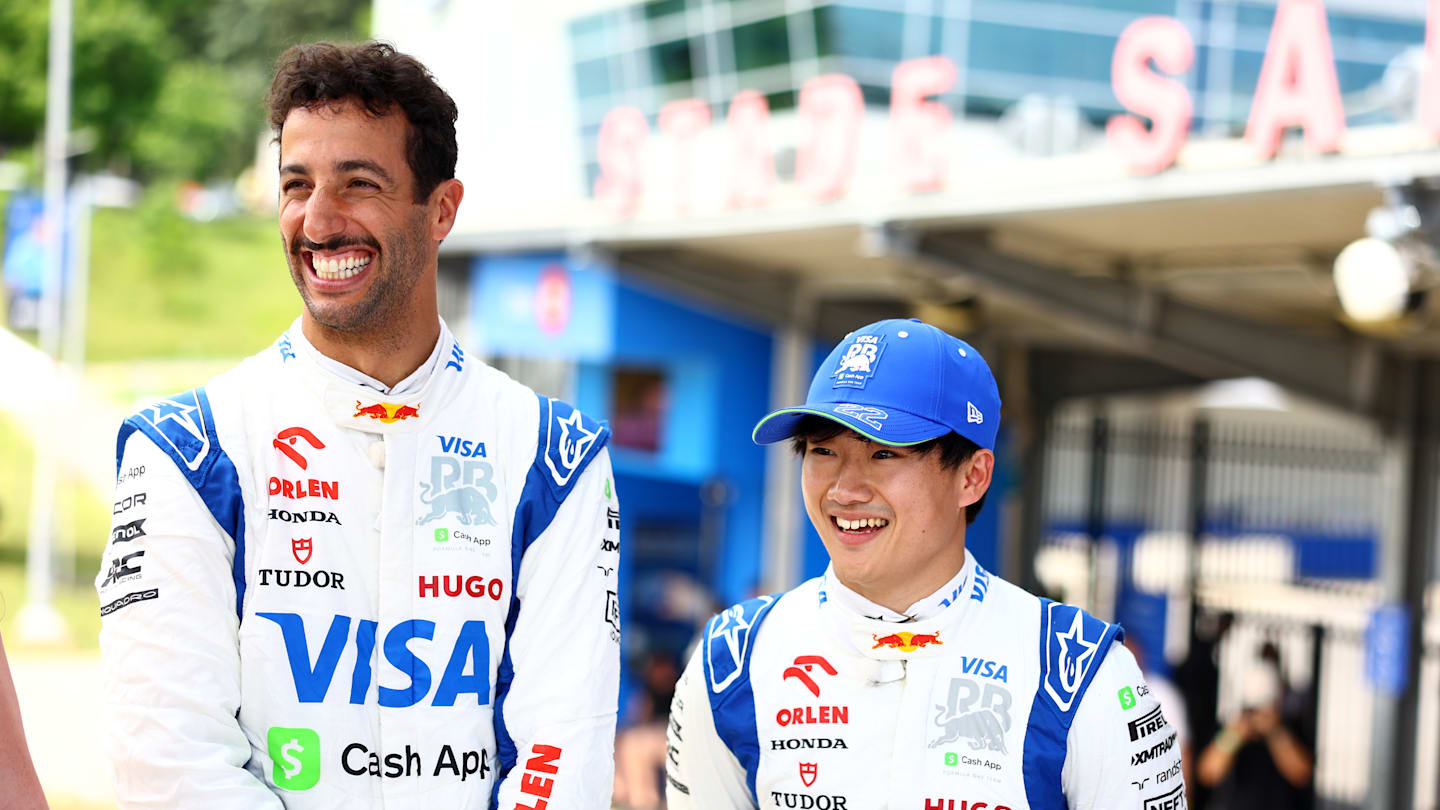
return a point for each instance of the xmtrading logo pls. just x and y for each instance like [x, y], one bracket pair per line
[295, 753]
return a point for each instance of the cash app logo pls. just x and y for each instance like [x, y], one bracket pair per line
[951, 759]
[441, 535]
[295, 753]
[1127, 697]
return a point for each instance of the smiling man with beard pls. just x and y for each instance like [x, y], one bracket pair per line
[361, 569]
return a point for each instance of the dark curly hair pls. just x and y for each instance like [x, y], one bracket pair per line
[379, 78]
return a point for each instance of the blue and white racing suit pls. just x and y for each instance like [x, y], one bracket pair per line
[317, 595]
[998, 701]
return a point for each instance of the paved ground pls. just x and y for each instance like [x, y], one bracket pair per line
[60, 703]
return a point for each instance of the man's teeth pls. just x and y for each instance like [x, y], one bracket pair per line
[862, 523]
[339, 269]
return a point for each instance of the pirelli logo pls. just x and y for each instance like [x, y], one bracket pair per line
[1147, 724]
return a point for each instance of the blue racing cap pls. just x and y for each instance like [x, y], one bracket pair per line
[898, 382]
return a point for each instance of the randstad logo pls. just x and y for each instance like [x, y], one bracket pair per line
[295, 755]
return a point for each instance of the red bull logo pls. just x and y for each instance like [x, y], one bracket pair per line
[906, 642]
[385, 412]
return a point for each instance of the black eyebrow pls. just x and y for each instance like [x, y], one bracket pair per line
[357, 164]
[364, 165]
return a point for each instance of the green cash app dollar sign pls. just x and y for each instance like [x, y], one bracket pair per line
[1127, 697]
[442, 535]
[295, 753]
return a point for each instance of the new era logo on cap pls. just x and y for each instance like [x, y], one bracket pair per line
[973, 415]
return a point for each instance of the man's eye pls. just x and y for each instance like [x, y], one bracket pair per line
[363, 183]
[293, 185]
[821, 451]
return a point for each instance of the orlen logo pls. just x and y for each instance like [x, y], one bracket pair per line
[385, 411]
[802, 668]
[312, 676]
[532, 783]
[457, 585]
[285, 442]
[307, 488]
[906, 642]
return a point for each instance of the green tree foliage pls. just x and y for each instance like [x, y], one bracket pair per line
[162, 88]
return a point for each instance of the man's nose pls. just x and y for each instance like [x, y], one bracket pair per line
[850, 485]
[324, 218]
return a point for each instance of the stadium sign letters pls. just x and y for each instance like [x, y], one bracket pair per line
[1297, 88]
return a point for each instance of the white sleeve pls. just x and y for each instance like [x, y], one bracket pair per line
[560, 709]
[1122, 753]
[169, 646]
[700, 772]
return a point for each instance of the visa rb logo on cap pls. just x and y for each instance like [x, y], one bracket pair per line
[858, 362]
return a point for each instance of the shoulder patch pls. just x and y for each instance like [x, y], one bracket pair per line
[1072, 645]
[728, 637]
[569, 440]
[183, 426]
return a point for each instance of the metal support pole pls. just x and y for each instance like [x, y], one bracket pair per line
[1199, 493]
[1409, 481]
[1021, 562]
[789, 378]
[39, 621]
[1419, 563]
[1095, 520]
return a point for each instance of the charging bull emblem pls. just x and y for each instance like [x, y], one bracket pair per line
[462, 487]
[858, 362]
[385, 411]
[974, 712]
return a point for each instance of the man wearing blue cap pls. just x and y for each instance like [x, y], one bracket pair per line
[907, 676]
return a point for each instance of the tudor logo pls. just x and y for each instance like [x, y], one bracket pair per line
[386, 412]
[286, 440]
[301, 547]
[808, 772]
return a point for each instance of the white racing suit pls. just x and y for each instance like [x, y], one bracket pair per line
[1000, 701]
[319, 596]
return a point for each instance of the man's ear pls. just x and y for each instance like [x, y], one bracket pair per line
[444, 202]
[975, 476]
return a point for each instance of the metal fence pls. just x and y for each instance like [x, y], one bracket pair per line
[1264, 525]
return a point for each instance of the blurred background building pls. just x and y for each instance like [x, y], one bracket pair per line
[1216, 430]
[1196, 433]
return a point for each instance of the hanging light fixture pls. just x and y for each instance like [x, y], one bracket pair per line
[1382, 277]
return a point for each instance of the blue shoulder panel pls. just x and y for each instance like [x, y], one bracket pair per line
[727, 643]
[567, 442]
[184, 427]
[1072, 645]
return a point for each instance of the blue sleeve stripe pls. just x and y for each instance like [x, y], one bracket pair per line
[727, 682]
[540, 500]
[184, 427]
[1063, 629]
